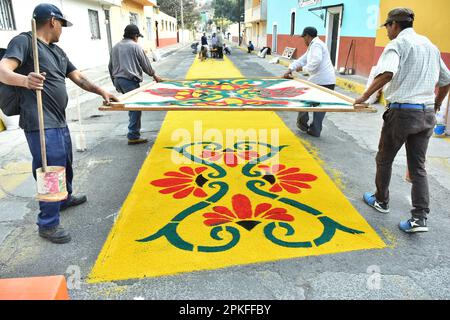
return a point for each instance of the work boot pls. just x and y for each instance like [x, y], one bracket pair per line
[72, 202]
[137, 141]
[55, 234]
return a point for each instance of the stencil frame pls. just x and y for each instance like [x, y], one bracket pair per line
[125, 105]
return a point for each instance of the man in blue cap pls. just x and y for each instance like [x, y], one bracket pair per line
[17, 69]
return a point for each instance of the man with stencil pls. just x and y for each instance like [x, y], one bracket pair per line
[412, 67]
[16, 69]
[317, 62]
[126, 66]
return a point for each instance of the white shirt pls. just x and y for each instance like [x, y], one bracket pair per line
[317, 62]
[417, 67]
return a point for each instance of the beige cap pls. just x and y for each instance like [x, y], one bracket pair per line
[400, 15]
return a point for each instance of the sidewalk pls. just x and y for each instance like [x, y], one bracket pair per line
[353, 83]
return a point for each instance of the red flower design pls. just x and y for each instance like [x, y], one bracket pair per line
[188, 180]
[230, 157]
[288, 92]
[290, 179]
[244, 215]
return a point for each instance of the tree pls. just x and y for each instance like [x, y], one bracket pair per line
[173, 8]
[228, 9]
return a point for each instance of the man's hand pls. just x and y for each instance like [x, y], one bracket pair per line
[437, 108]
[361, 100]
[157, 79]
[288, 75]
[108, 98]
[35, 81]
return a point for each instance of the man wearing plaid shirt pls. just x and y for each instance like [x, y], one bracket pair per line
[412, 67]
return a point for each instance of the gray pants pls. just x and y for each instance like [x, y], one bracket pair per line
[316, 126]
[414, 129]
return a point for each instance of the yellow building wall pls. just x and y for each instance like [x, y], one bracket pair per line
[432, 20]
[120, 18]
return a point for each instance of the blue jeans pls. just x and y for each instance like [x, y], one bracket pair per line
[59, 153]
[134, 127]
[316, 125]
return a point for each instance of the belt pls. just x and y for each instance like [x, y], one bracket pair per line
[408, 106]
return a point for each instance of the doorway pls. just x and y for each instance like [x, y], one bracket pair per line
[157, 34]
[108, 30]
[275, 38]
[333, 33]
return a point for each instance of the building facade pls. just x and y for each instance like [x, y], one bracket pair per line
[98, 26]
[432, 20]
[348, 27]
[351, 29]
[87, 43]
[256, 22]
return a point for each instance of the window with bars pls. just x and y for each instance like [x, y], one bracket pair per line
[94, 24]
[134, 18]
[7, 15]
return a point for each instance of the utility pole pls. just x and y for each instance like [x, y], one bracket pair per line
[182, 22]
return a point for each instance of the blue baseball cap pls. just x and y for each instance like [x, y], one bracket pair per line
[46, 11]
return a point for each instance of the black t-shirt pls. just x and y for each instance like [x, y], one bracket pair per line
[54, 62]
[204, 41]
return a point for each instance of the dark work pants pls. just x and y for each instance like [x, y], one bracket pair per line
[59, 153]
[316, 125]
[414, 129]
[134, 127]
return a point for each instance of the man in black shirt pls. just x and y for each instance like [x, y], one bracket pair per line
[16, 69]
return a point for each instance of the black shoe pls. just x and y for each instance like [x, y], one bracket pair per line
[72, 202]
[302, 127]
[312, 134]
[137, 141]
[56, 234]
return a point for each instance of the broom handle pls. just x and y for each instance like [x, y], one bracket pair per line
[39, 98]
[447, 111]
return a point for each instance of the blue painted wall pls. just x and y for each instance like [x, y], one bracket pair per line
[360, 17]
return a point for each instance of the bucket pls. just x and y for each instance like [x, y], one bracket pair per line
[51, 184]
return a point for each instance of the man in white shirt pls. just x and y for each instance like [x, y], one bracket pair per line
[412, 66]
[317, 62]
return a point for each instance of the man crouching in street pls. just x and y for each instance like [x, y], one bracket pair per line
[16, 69]
[412, 66]
[127, 63]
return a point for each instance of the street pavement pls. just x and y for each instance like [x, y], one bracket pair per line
[410, 267]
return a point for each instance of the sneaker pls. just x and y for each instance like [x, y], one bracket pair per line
[312, 134]
[414, 225]
[369, 199]
[302, 127]
[137, 141]
[72, 202]
[56, 234]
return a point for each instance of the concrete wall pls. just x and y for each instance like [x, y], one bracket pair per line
[359, 24]
[432, 20]
[75, 41]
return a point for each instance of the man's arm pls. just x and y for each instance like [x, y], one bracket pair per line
[442, 93]
[387, 67]
[33, 81]
[81, 81]
[379, 82]
[297, 65]
[146, 65]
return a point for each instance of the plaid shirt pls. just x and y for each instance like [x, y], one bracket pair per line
[417, 67]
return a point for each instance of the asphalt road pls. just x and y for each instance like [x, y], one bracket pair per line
[411, 267]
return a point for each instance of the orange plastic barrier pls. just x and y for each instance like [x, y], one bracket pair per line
[38, 288]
